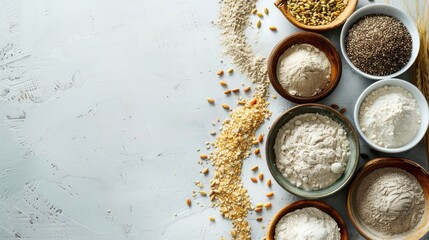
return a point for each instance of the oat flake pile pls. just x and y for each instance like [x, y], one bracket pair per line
[234, 143]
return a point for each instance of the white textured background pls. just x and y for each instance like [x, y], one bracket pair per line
[102, 108]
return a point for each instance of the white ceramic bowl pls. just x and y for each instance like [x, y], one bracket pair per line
[385, 10]
[421, 101]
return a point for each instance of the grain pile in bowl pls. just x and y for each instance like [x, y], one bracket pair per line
[303, 70]
[390, 201]
[307, 223]
[316, 13]
[378, 45]
[312, 151]
[390, 117]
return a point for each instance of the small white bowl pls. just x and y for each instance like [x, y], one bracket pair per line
[421, 102]
[388, 10]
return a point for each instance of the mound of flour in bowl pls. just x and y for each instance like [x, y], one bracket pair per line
[312, 151]
[390, 117]
[304, 70]
[307, 223]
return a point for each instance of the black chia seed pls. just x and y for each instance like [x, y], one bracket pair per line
[378, 44]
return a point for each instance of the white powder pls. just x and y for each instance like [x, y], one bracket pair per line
[233, 21]
[307, 224]
[312, 151]
[389, 116]
[390, 201]
[304, 70]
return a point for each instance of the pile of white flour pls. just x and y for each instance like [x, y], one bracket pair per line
[390, 201]
[312, 151]
[307, 223]
[390, 117]
[303, 70]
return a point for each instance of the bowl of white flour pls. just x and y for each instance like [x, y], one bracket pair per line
[312, 151]
[388, 199]
[391, 115]
[307, 219]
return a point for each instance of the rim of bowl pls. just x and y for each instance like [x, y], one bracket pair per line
[420, 99]
[350, 7]
[381, 9]
[312, 195]
[300, 204]
[363, 172]
[272, 68]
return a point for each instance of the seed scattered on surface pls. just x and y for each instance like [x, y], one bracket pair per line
[253, 102]
[188, 202]
[259, 205]
[256, 142]
[227, 91]
[203, 156]
[225, 106]
[258, 210]
[257, 151]
[272, 28]
[261, 176]
[343, 110]
[213, 133]
[254, 168]
[212, 219]
[235, 90]
[260, 14]
[266, 11]
[220, 73]
[246, 89]
[254, 179]
[231, 70]
[269, 183]
[205, 171]
[203, 193]
[210, 100]
[258, 24]
[259, 219]
[260, 138]
[334, 106]
[254, 11]
[233, 233]
[270, 194]
[268, 205]
[223, 83]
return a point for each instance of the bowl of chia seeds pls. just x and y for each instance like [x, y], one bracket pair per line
[380, 41]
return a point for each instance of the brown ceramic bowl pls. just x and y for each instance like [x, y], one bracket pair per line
[320, 42]
[303, 204]
[351, 5]
[408, 165]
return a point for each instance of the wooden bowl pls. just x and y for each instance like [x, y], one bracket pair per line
[303, 204]
[320, 42]
[405, 164]
[351, 5]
